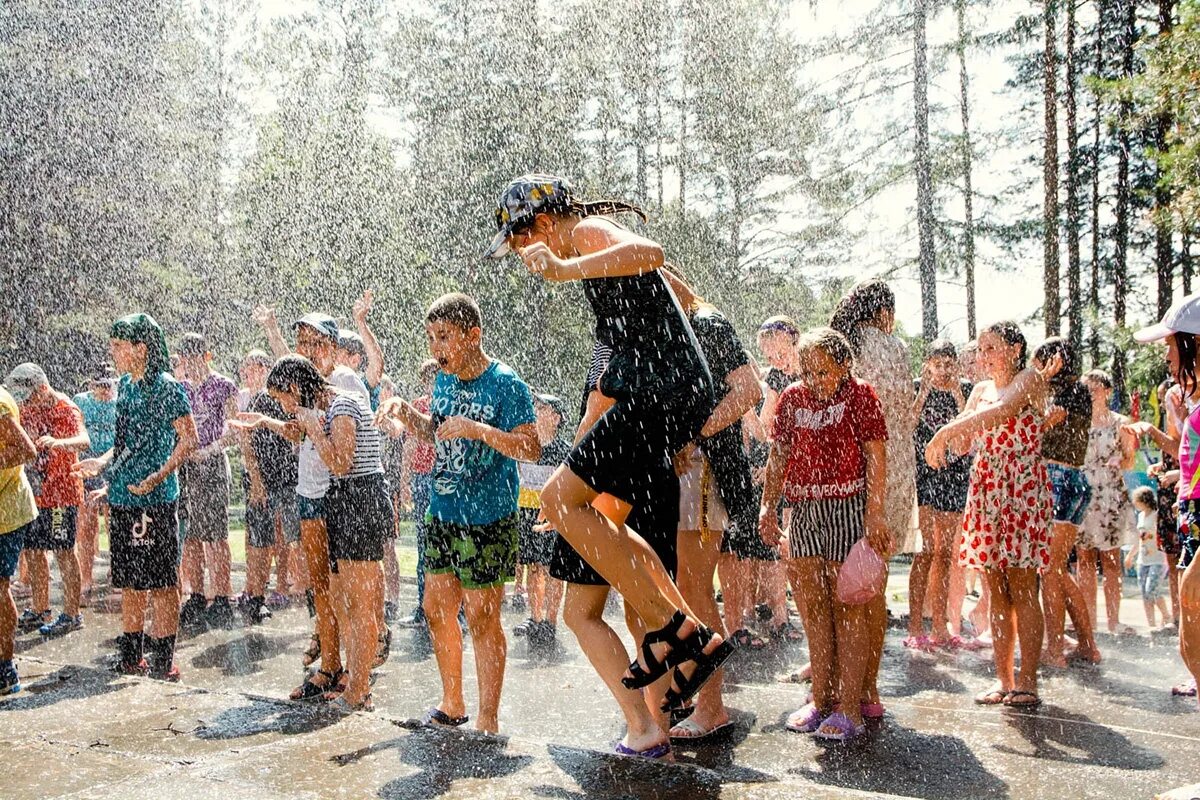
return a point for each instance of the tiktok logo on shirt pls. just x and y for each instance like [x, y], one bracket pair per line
[820, 418]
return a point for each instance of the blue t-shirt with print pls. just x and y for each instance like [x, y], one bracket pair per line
[472, 483]
[100, 420]
[145, 438]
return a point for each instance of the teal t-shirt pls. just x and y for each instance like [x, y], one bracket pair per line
[472, 483]
[100, 420]
[145, 438]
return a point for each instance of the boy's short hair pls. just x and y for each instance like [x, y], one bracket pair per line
[1146, 496]
[457, 309]
[941, 348]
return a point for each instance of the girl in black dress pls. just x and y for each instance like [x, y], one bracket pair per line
[663, 392]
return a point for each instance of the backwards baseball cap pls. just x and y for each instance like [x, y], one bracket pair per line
[193, 344]
[351, 342]
[523, 199]
[1183, 317]
[24, 379]
[551, 401]
[321, 323]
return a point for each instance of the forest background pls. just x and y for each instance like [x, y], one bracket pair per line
[1036, 160]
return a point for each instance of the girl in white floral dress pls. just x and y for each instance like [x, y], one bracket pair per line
[1109, 517]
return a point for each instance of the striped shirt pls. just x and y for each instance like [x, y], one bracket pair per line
[368, 447]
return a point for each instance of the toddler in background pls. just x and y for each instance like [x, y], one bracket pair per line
[1151, 561]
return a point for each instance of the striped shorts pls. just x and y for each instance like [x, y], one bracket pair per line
[827, 528]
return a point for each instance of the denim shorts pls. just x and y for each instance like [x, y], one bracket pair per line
[281, 505]
[1149, 578]
[10, 553]
[1072, 493]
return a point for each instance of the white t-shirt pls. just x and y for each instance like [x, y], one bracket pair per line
[1148, 553]
[314, 475]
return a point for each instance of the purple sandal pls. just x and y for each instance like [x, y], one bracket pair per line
[845, 728]
[660, 750]
[807, 720]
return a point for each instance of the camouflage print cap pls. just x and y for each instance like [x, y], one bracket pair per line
[520, 201]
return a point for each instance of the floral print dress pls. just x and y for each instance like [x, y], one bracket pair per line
[883, 362]
[1109, 519]
[1006, 524]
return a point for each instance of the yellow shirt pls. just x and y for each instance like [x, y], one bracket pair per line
[17, 506]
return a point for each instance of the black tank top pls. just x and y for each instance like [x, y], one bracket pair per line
[654, 352]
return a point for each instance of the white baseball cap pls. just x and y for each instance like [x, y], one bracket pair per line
[1183, 317]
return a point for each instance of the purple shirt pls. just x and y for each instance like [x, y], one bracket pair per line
[208, 406]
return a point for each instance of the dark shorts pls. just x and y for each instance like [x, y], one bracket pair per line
[827, 528]
[1189, 531]
[310, 508]
[94, 484]
[10, 553]
[533, 547]
[944, 489]
[145, 546]
[280, 505]
[54, 529]
[1072, 493]
[204, 498]
[479, 556]
[358, 518]
[655, 517]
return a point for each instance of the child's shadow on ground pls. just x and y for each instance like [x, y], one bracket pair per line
[1055, 733]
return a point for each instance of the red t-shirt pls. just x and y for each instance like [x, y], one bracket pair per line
[50, 473]
[423, 454]
[825, 440]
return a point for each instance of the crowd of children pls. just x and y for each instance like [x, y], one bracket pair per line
[689, 465]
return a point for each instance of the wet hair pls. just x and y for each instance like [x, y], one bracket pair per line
[861, 305]
[1100, 377]
[1010, 333]
[297, 372]
[1185, 343]
[258, 357]
[780, 324]
[1057, 345]
[832, 341]
[428, 370]
[456, 308]
[1146, 496]
[941, 348]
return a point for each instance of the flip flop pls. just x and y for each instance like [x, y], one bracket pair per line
[806, 720]
[690, 731]
[923, 643]
[871, 710]
[992, 697]
[843, 728]
[435, 717]
[1031, 701]
[1185, 689]
[660, 750]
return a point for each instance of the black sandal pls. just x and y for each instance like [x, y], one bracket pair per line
[639, 676]
[747, 639]
[311, 691]
[706, 665]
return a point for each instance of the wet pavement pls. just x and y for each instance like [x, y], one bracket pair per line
[79, 731]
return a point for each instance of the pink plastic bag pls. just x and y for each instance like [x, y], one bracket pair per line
[861, 575]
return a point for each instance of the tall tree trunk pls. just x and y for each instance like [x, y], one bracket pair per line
[1185, 262]
[1128, 29]
[1164, 258]
[1074, 298]
[1052, 309]
[967, 156]
[926, 265]
[1097, 120]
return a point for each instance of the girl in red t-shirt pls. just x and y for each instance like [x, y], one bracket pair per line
[828, 460]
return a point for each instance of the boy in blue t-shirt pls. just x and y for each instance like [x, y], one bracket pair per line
[481, 423]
